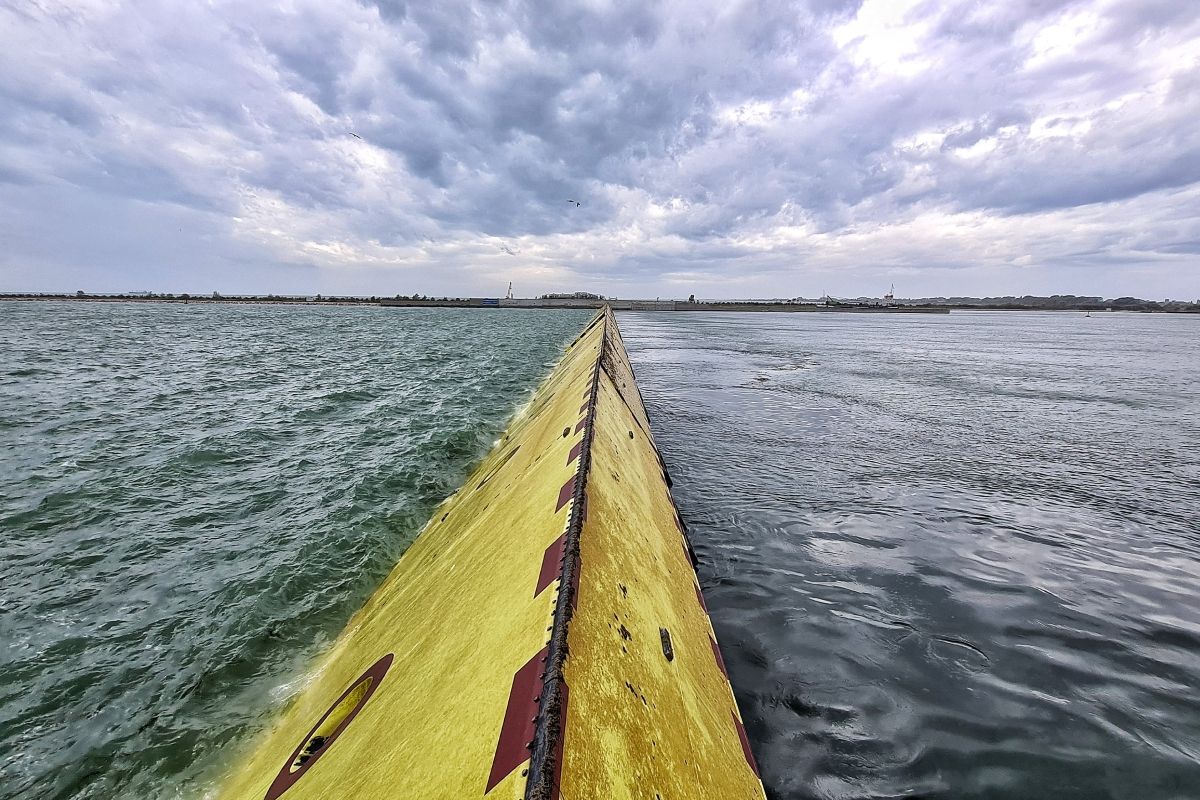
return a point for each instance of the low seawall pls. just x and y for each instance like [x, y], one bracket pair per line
[660, 305]
[545, 636]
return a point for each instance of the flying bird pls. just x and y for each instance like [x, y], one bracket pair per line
[355, 135]
[505, 248]
[576, 202]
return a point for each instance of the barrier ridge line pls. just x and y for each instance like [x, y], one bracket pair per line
[548, 733]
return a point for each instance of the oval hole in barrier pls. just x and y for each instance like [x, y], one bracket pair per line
[331, 725]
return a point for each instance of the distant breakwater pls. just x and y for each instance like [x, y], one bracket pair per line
[924, 306]
[660, 305]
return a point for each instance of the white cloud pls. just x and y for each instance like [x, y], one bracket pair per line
[784, 148]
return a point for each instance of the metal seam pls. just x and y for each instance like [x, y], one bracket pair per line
[548, 731]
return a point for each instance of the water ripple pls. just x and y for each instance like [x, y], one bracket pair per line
[195, 499]
[947, 557]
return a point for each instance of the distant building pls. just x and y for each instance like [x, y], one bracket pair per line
[572, 296]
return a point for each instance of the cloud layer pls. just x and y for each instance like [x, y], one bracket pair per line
[730, 150]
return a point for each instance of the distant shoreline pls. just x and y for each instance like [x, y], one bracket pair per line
[753, 306]
[231, 301]
[489, 303]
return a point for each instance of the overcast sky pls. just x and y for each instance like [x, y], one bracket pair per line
[725, 149]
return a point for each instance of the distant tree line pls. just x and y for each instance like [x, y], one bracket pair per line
[1059, 302]
[215, 297]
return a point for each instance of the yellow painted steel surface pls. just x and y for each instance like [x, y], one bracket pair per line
[650, 712]
[475, 670]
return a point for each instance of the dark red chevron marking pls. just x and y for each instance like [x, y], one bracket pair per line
[575, 451]
[565, 493]
[741, 732]
[583, 408]
[551, 564]
[700, 598]
[717, 655]
[516, 732]
[581, 425]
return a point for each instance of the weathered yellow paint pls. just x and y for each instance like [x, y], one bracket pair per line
[460, 615]
[412, 699]
[640, 725]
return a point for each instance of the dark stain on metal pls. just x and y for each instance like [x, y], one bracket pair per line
[314, 744]
[668, 651]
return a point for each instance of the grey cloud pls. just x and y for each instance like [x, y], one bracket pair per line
[480, 119]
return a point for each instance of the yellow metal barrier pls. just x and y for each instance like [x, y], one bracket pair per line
[544, 637]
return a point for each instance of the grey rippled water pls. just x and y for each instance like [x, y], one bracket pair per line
[947, 556]
[193, 501]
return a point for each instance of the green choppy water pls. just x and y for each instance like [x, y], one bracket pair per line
[194, 500]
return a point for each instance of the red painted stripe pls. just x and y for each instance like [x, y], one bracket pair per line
[583, 408]
[565, 493]
[575, 451]
[741, 732]
[581, 425]
[717, 655]
[700, 598]
[516, 732]
[551, 564]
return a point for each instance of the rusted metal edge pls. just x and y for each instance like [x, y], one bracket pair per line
[548, 733]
